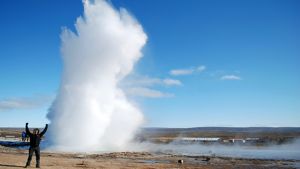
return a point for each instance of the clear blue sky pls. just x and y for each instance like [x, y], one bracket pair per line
[249, 52]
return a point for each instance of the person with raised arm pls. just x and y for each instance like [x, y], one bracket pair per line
[35, 139]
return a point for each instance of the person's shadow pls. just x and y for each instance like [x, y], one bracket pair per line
[8, 165]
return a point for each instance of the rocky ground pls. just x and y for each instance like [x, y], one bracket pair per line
[15, 158]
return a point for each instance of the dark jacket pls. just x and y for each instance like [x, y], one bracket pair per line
[35, 139]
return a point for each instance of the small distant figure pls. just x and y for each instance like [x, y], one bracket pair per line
[27, 137]
[35, 139]
[207, 159]
[24, 136]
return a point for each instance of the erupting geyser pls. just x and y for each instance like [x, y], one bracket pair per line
[90, 112]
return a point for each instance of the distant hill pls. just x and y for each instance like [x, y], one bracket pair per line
[225, 129]
[222, 132]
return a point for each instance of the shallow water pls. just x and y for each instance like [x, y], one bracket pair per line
[277, 152]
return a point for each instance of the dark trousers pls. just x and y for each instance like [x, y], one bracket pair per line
[36, 150]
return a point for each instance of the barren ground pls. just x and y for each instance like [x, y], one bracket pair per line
[14, 158]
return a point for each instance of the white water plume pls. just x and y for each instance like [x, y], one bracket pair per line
[90, 112]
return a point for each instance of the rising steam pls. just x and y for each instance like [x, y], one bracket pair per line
[90, 112]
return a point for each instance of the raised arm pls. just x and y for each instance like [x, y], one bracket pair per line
[27, 130]
[44, 131]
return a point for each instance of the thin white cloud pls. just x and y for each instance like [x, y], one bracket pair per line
[172, 82]
[230, 77]
[200, 68]
[178, 72]
[142, 86]
[149, 81]
[147, 92]
[16, 103]
[143, 81]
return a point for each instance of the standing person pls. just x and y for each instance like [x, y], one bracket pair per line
[35, 139]
[24, 136]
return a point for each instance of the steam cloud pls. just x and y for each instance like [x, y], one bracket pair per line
[288, 151]
[90, 112]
